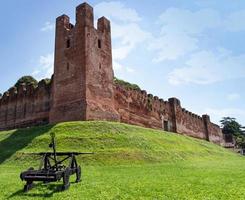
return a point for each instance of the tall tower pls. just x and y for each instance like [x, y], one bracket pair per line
[83, 75]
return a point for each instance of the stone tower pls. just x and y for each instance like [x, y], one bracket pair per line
[83, 76]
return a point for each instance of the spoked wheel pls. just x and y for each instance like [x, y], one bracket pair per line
[66, 179]
[78, 174]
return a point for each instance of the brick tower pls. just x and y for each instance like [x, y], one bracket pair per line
[83, 76]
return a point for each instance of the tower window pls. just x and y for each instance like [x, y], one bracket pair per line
[99, 44]
[68, 43]
[67, 66]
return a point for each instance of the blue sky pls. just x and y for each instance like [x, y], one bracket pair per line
[192, 50]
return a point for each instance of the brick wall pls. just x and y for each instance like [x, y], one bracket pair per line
[139, 108]
[25, 106]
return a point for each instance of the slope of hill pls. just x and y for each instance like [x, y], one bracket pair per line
[130, 162]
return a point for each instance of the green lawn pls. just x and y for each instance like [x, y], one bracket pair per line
[130, 162]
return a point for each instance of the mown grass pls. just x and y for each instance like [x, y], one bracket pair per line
[130, 162]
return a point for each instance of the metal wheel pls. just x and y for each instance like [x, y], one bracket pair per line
[66, 179]
[78, 174]
[28, 186]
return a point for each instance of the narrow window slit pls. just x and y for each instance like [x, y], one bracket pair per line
[68, 43]
[99, 44]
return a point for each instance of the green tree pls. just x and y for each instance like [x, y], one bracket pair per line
[231, 127]
[26, 80]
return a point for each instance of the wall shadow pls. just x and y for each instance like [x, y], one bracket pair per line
[19, 139]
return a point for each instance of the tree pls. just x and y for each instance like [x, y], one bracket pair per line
[231, 127]
[26, 80]
[240, 141]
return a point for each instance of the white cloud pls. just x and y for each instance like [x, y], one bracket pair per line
[198, 75]
[233, 96]
[179, 32]
[127, 36]
[206, 67]
[172, 46]
[130, 70]
[127, 33]
[45, 67]
[119, 69]
[117, 66]
[175, 20]
[116, 10]
[218, 114]
[48, 26]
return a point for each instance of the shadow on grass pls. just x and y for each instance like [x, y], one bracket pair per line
[44, 191]
[19, 139]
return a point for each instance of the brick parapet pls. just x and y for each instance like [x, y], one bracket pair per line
[27, 104]
[139, 107]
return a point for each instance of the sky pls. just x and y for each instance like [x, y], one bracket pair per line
[192, 50]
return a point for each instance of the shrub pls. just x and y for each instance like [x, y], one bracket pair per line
[125, 84]
[26, 80]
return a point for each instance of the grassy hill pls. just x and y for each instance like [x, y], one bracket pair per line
[130, 162]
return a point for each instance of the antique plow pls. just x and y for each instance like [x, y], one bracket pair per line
[51, 169]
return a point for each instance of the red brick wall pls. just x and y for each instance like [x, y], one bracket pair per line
[190, 124]
[25, 106]
[215, 133]
[139, 108]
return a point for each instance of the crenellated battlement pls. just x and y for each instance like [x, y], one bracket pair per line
[84, 15]
[143, 96]
[25, 105]
[139, 107]
[25, 90]
[84, 18]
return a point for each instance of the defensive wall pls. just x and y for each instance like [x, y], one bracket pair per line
[138, 107]
[25, 106]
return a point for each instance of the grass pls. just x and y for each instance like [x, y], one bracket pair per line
[130, 162]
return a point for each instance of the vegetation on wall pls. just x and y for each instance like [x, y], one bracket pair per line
[26, 80]
[126, 84]
[12, 88]
[47, 81]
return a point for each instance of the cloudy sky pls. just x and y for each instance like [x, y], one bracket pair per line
[192, 50]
